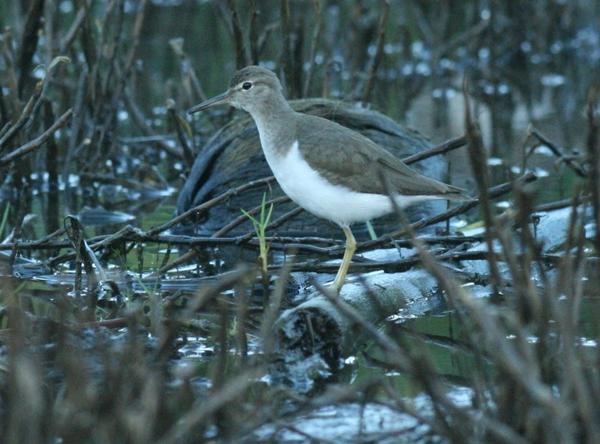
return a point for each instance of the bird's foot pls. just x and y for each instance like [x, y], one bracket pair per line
[335, 285]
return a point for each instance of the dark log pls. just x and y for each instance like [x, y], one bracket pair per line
[318, 327]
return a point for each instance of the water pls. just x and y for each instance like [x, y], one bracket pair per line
[435, 107]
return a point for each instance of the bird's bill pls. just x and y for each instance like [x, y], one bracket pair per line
[216, 100]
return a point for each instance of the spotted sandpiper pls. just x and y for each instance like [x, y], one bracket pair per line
[329, 170]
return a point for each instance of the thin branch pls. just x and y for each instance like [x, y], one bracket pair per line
[29, 42]
[569, 161]
[379, 52]
[404, 264]
[478, 160]
[205, 206]
[34, 144]
[313, 47]
[593, 152]
[443, 148]
[238, 35]
[494, 192]
[24, 117]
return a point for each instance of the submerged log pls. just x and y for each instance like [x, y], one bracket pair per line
[318, 328]
[233, 157]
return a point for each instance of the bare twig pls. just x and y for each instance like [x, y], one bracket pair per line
[494, 192]
[558, 152]
[313, 46]
[178, 123]
[238, 35]
[203, 207]
[478, 160]
[71, 34]
[37, 142]
[378, 53]
[253, 34]
[187, 69]
[24, 117]
[400, 265]
[443, 148]
[593, 151]
[140, 121]
[29, 42]
[204, 408]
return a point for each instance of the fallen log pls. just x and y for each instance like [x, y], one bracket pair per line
[318, 328]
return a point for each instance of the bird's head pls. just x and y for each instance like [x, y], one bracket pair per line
[251, 89]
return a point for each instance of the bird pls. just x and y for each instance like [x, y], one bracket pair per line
[327, 169]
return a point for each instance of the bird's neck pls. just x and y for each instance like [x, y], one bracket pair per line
[275, 120]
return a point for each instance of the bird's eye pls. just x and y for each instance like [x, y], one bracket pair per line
[247, 85]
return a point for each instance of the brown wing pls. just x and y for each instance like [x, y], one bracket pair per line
[346, 157]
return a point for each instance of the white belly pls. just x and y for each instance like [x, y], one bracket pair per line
[318, 196]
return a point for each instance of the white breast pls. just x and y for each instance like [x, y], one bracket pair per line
[318, 196]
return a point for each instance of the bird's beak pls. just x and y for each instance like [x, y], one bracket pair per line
[216, 100]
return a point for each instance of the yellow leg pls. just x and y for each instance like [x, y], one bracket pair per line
[348, 253]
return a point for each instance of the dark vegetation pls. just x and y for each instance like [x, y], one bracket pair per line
[99, 359]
